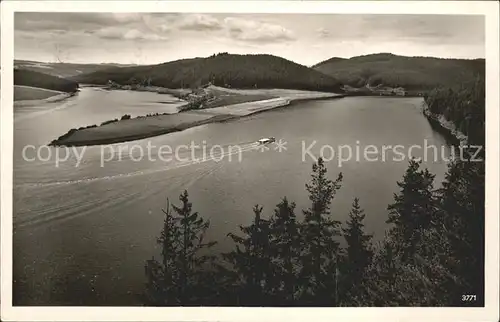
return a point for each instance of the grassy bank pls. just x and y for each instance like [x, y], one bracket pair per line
[201, 98]
[24, 93]
[273, 98]
[212, 96]
[179, 93]
[135, 129]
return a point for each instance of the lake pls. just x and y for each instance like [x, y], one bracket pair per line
[82, 233]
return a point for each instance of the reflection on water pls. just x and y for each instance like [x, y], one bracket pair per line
[82, 234]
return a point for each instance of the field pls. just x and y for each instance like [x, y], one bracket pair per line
[134, 129]
[272, 98]
[224, 98]
[23, 93]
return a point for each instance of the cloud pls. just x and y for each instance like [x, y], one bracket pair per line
[199, 22]
[308, 37]
[128, 17]
[429, 29]
[85, 22]
[152, 26]
[256, 31]
[39, 21]
[323, 33]
[127, 34]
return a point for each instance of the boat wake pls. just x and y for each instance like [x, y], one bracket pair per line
[214, 157]
[100, 203]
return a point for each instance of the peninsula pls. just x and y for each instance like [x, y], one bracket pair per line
[129, 129]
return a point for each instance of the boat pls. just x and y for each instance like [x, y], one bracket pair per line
[266, 140]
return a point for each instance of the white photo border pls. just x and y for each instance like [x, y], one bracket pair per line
[490, 9]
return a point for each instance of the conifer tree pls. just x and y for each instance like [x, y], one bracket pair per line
[251, 261]
[442, 258]
[358, 255]
[392, 280]
[462, 222]
[319, 230]
[378, 286]
[285, 248]
[414, 208]
[179, 278]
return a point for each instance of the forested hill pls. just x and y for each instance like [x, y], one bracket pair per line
[62, 69]
[464, 105]
[41, 80]
[412, 73]
[237, 71]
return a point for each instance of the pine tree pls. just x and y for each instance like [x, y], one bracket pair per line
[379, 285]
[425, 245]
[179, 278]
[359, 253]
[462, 222]
[251, 262]
[393, 281]
[285, 247]
[414, 208]
[319, 230]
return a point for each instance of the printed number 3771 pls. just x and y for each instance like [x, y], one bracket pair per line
[468, 298]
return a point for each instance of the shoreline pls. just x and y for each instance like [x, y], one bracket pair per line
[52, 99]
[383, 91]
[444, 127]
[135, 137]
[178, 93]
[158, 125]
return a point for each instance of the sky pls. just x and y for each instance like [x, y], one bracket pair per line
[150, 38]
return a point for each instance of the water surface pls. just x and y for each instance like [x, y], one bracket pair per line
[82, 234]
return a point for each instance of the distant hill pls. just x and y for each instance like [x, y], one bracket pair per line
[228, 70]
[62, 69]
[412, 73]
[40, 80]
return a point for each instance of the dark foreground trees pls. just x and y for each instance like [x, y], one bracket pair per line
[320, 247]
[413, 210]
[461, 222]
[358, 256]
[251, 266]
[431, 255]
[182, 277]
[444, 256]
[281, 261]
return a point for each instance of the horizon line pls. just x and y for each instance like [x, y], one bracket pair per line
[248, 54]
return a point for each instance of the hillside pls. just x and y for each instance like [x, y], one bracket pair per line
[40, 80]
[463, 105]
[62, 69]
[411, 73]
[226, 70]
